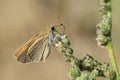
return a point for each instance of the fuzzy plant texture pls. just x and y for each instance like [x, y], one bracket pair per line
[104, 29]
[87, 63]
[88, 68]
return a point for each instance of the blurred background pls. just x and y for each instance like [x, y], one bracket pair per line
[21, 19]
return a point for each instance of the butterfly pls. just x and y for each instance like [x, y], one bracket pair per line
[39, 46]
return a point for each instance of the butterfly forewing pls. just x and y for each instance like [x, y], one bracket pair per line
[23, 52]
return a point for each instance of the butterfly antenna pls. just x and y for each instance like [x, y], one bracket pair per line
[61, 25]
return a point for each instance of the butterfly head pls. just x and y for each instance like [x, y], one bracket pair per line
[60, 29]
[52, 28]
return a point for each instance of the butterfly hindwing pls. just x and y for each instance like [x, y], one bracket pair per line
[38, 50]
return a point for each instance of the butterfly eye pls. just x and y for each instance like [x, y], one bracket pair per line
[52, 28]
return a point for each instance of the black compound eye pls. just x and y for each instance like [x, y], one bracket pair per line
[52, 28]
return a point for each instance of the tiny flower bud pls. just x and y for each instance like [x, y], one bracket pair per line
[66, 41]
[83, 76]
[69, 51]
[74, 73]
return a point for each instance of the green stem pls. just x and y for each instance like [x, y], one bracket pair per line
[112, 57]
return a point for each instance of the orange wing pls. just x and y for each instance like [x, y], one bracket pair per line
[22, 52]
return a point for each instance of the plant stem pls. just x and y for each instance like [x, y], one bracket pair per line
[104, 29]
[112, 57]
